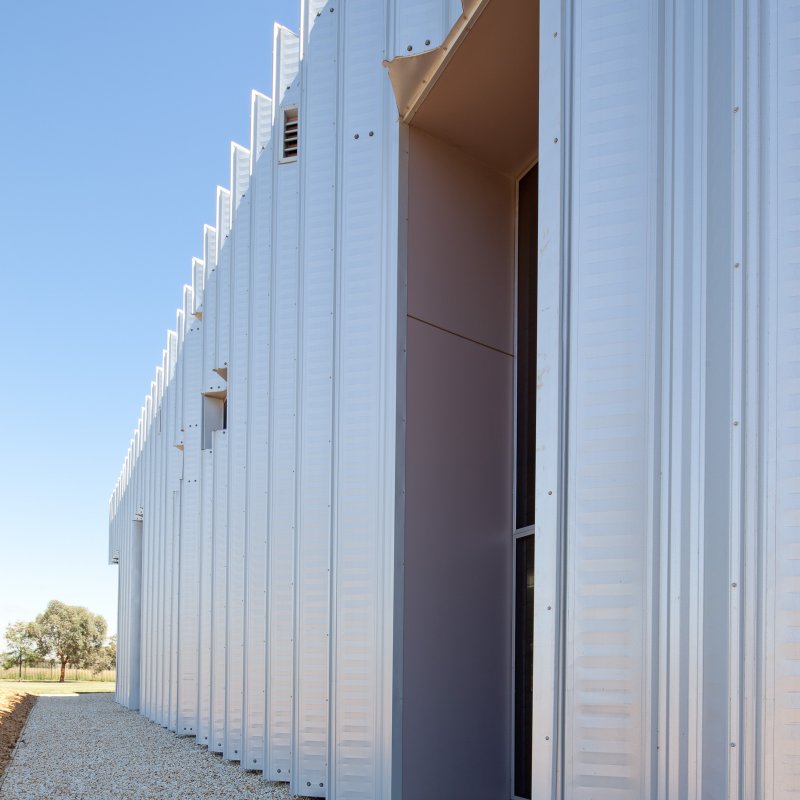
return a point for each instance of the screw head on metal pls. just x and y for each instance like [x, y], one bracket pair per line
[555, 141]
[409, 48]
[427, 41]
[356, 136]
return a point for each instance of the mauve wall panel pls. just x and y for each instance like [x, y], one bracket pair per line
[459, 459]
[457, 612]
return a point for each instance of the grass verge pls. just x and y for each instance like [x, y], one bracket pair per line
[54, 687]
[15, 705]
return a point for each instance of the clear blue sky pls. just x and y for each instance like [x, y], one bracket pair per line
[115, 123]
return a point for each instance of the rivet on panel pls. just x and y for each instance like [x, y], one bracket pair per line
[734, 585]
[735, 423]
[735, 109]
[549, 491]
[555, 34]
[372, 133]
[427, 41]
[555, 141]
[409, 48]
[547, 738]
[356, 136]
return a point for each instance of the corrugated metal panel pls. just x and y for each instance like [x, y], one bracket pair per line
[175, 469]
[212, 382]
[205, 605]
[219, 591]
[285, 64]
[223, 273]
[160, 511]
[364, 422]
[282, 452]
[147, 566]
[198, 272]
[172, 600]
[209, 261]
[238, 373]
[133, 625]
[422, 25]
[612, 459]
[190, 533]
[255, 670]
[318, 159]
[550, 366]
[782, 769]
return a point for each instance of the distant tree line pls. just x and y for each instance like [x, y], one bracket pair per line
[64, 635]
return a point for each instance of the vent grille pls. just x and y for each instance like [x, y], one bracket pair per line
[290, 133]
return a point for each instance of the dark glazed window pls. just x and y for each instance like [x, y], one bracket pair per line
[526, 347]
[523, 666]
[215, 417]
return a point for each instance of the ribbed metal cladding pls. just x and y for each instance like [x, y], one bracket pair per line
[256, 554]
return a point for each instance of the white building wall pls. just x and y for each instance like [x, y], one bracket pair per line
[257, 564]
[282, 392]
[255, 599]
[237, 399]
[667, 355]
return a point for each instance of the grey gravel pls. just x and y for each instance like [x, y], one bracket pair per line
[89, 748]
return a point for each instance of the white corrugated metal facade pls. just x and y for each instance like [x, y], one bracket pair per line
[258, 516]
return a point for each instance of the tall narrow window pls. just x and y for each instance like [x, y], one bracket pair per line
[523, 666]
[290, 133]
[526, 348]
[524, 550]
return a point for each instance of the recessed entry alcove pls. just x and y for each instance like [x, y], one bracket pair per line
[469, 165]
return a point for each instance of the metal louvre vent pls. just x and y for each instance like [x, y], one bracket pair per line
[290, 133]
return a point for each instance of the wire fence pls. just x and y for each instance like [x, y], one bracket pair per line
[51, 672]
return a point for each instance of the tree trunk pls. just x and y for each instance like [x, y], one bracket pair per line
[20, 666]
[63, 669]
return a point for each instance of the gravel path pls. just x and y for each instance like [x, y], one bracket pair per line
[89, 748]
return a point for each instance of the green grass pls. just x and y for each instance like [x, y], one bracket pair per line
[54, 687]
